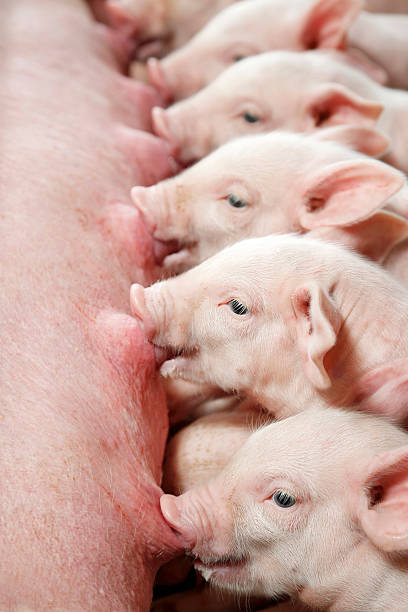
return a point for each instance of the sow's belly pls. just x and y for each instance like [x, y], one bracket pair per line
[83, 420]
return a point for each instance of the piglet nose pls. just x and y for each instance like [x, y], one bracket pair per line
[140, 200]
[170, 509]
[162, 128]
[158, 79]
[140, 311]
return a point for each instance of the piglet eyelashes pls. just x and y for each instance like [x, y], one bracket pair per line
[237, 307]
[236, 202]
[250, 117]
[283, 499]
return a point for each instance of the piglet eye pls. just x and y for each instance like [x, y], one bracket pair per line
[236, 202]
[250, 117]
[237, 307]
[283, 499]
[238, 58]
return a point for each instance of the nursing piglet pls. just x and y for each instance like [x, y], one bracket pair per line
[276, 182]
[169, 23]
[284, 320]
[313, 507]
[259, 95]
[252, 27]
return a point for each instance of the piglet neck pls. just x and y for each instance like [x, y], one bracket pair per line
[369, 582]
[375, 319]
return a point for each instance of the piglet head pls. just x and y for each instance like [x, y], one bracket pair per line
[274, 522]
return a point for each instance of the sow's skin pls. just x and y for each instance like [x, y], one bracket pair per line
[83, 417]
[258, 95]
[275, 183]
[314, 506]
[253, 27]
[294, 318]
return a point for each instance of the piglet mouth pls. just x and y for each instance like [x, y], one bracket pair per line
[163, 249]
[167, 357]
[222, 567]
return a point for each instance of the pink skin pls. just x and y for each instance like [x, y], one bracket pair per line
[314, 320]
[253, 27]
[257, 95]
[384, 39]
[273, 178]
[83, 418]
[330, 546]
[386, 6]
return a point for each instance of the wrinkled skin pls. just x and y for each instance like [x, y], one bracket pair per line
[293, 317]
[272, 179]
[260, 94]
[83, 418]
[253, 27]
[276, 521]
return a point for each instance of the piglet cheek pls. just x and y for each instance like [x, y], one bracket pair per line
[173, 515]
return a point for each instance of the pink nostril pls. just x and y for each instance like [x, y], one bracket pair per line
[139, 310]
[158, 79]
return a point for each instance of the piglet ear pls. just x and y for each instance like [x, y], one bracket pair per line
[360, 138]
[315, 322]
[335, 104]
[384, 511]
[347, 192]
[374, 237]
[327, 22]
[384, 390]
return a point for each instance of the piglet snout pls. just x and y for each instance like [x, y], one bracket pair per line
[140, 200]
[171, 511]
[158, 80]
[140, 311]
[162, 128]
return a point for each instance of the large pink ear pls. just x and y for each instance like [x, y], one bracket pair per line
[360, 138]
[374, 237]
[327, 22]
[384, 390]
[384, 511]
[347, 192]
[315, 322]
[335, 104]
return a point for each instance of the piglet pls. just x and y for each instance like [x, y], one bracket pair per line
[260, 94]
[168, 24]
[313, 507]
[277, 182]
[253, 27]
[284, 320]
